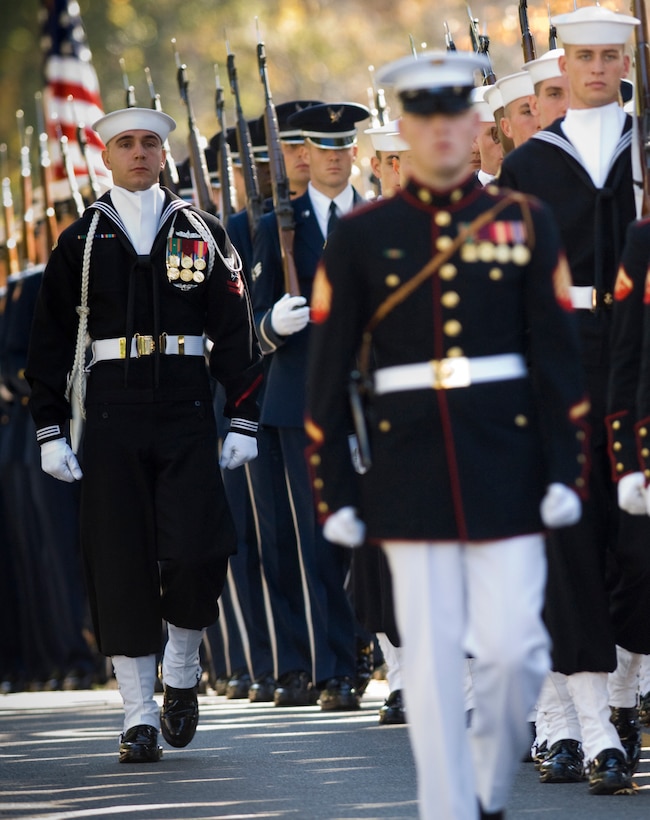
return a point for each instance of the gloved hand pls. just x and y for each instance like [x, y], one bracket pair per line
[289, 315]
[345, 528]
[632, 497]
[58, 460]
[560, 507]
[237, 450]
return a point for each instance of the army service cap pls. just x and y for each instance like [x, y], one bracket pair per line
[434, 82]
[283, 111]
[134, 119]
[330, 125]
[594, 26]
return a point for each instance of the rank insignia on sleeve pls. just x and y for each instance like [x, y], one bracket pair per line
[562, 282]
[623, 285]
[321, 297]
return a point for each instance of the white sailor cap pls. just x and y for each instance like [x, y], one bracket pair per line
[387, 138]
[134, 119]
[480, 105]
[515, 86]
[594, 26]
[545, 67]
[434, 81]
[493, 98]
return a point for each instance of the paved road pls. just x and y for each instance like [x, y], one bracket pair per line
[58, 761]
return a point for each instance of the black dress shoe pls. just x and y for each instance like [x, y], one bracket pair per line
[139, 744]
[339, 694]
[295, 689]
[221, 684]
[626, 721]
[179, 715]
[564, 763]
[392, 712]
[609, 773]
[238, 685]
[262, 689]
[539, 753]
[491, 815]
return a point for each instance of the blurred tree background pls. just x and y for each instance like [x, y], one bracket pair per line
[315, 48]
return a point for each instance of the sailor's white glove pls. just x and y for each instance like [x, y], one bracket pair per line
[289, 315]
[632, 496]
[237, 450]
[560, 507]
[58, 460]
[345, 528]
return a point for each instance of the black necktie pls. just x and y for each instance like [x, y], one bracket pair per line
[333, 218]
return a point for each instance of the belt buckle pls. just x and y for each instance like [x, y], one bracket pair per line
[144, 345]
[449, 373]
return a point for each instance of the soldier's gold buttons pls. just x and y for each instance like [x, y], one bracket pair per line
[442, 219]
[643, 431]
[645, 452]
[392, 280]
[322, 507]
[450, 299]
[318, 483]
[580, 482]
[447, 271]
[425, 196]
[444, 242]
[455, 352]
[384, 425]
[521, 420]
[452, 328]
[582, 458]
[314, 459]
[646, 473]
[495, 274]
[456, 195]
[617, 446]
[616, 425]
[619, 467]
[581, 435]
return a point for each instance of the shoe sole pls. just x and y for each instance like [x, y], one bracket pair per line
[151, 756]
[561, 777]
[339, 705]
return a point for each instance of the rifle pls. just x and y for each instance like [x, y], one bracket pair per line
[169, 174]
[226, 174]
[82, 139]
[197, 154]
[481, 45]
[29, 237]
[51, 225]
[68, 167]
[414, 50]
[128, 89]
[552, 31]
[254, 203]
[449, 40]
[279, 181]
[13, 262]
[378, 106]
[642, 95]
[527, 40]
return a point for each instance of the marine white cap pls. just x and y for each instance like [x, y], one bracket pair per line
[545, 67]
[515, 86]
[594, 26]
[480, 105]
[134, 119]
[386, 137]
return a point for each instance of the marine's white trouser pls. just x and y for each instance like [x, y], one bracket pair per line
[484, 600]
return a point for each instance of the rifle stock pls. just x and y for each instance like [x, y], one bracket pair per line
[481, 45]
[197, 154]
[29, 235]
[45, 165]
[229, 204]
[279, 181]
[11, 244]
[169, 174]
[527, 39]
[254, 204]
[642, 97]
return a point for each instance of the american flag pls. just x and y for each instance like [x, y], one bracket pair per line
[71, 96]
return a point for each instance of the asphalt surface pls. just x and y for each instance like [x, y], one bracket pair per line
[58, 761]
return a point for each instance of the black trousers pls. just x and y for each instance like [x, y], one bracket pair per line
[156, 530]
